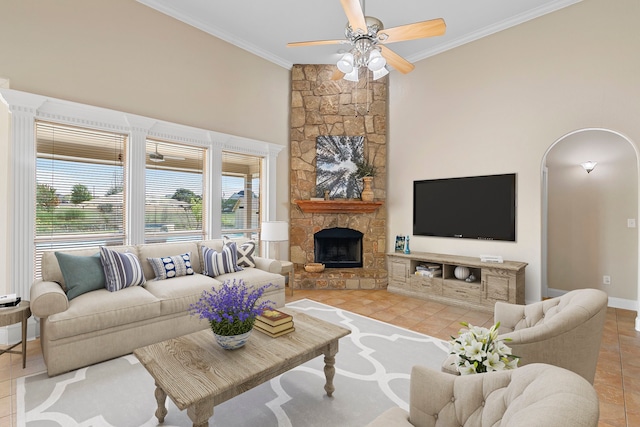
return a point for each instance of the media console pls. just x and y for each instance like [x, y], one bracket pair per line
[493, 281]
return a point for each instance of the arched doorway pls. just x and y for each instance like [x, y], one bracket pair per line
[589, 236]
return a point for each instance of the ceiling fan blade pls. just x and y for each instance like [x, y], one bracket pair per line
[174, 157]
[316, 42]
[396, 61]
[337, 75]
[354, 13]
[418, 30]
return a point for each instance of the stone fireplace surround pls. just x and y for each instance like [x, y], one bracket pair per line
[322, 106]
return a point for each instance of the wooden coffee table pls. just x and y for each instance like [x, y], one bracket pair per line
[197, 374]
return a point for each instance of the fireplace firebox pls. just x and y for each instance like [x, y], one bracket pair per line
[338, 247]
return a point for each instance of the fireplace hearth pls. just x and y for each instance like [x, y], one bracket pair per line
[338, 247]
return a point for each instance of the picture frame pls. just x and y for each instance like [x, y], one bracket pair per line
[336, 170]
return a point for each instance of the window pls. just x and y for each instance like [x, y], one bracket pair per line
[80, 184]
[241, 201]
[174, 192]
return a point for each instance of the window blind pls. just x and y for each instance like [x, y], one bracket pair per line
[241, 195]
[174, 204]
[80, 183]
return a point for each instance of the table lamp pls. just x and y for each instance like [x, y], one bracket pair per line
[274, 231]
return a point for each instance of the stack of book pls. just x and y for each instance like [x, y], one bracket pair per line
[9, 300]
[429, 270]
[274, 323]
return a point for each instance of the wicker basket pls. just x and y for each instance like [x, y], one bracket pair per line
[314, 267]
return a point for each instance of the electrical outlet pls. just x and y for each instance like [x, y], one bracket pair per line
[631, 222]
[606, 280]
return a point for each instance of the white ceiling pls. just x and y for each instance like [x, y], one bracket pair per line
[264, 27]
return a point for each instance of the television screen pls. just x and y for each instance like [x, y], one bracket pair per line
[478, 207]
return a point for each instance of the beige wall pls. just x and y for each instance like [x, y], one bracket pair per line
[122, 55]
[588, 235]
[496, 105]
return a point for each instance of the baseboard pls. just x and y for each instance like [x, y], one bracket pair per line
[625, 304]
[13, 333]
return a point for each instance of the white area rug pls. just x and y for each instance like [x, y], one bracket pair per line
[372, 375]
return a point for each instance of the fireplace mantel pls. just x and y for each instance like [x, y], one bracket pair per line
[337, 206]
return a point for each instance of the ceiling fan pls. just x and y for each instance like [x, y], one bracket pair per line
[369, 38]
[156, 157]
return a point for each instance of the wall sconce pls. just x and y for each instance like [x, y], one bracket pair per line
[589, 166]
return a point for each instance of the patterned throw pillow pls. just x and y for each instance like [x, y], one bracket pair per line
[216, 263]
[233, 246]
[171, 266]
[121, 270]
[245, 254]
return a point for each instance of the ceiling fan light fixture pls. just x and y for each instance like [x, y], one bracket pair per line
[345, 64]
[352, 76]
[376, 60]
[380, 73]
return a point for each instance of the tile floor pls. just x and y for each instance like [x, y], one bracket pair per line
[617, 379]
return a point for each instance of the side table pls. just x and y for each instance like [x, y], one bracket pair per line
[287, 268]
[17, 314]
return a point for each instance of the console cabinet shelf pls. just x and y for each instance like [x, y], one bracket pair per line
[493, 281]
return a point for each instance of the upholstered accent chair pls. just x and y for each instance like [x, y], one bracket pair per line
[531, 396]
[565, 331]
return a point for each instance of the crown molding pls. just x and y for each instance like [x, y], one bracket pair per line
[492, 29]
[217, 32]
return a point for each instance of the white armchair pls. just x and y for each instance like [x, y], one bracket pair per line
[531, 396]
[565, 331]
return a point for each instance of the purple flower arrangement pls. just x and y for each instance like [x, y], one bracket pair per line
[232, 308]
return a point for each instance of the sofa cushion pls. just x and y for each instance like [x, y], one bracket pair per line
[171, 266]
[121, 270]
[157, 250]
[100, 310]
[81, 274]
[215, 263]
[178, 294]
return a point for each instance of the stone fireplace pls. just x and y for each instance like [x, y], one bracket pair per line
[323, 106]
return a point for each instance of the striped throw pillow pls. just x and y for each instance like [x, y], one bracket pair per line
[121, 270]
[216, 263]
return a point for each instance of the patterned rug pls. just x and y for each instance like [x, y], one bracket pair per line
[372, 375]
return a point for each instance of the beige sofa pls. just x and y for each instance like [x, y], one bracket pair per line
[531, 396]
[100, 325]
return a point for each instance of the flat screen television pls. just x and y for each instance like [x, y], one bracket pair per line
[476, 207]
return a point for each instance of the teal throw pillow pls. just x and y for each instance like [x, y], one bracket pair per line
[81, 274]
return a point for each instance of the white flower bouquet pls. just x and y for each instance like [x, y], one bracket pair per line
[478, 350]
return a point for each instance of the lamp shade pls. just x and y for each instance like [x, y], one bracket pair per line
[352, 76]
[274, 231]
[380, 73]
[345, 64]
[376, 60]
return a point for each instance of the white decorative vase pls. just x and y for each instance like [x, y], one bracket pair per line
[232, 342]
[461, 272]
